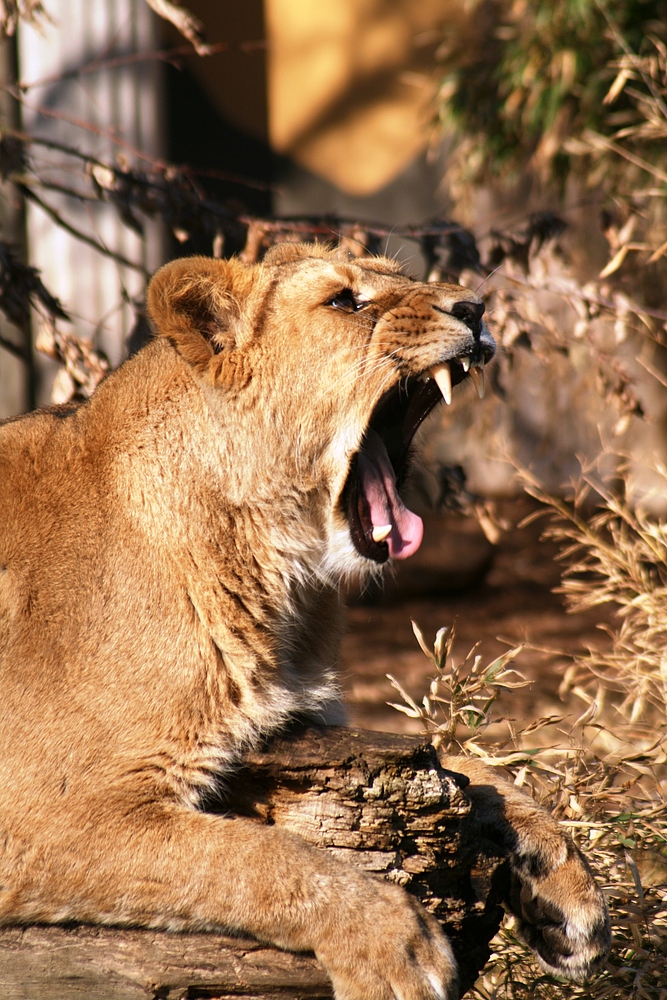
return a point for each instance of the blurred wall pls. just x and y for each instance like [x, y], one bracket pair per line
[342, 89]
[123, 104]
[350, 86]
[234, 79]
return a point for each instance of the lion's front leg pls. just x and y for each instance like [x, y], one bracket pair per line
[560, 910]
[162, 865]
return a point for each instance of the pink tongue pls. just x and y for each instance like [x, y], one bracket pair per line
[385, 506]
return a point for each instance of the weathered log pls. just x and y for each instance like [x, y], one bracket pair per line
[383, 802]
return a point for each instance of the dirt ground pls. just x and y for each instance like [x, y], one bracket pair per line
[513, 601]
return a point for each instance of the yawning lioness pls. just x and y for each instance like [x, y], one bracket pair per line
[171, 553]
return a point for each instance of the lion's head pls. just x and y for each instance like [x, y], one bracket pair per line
[321, 368]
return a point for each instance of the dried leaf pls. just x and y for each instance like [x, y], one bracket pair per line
[64, 387]
[45, 337]
[419, 636]
[617, 86]
[410, 712]
[104, 176]
[615, 262]
[651, 868]
[11, 11]
[444, 640]
[493, 670]
[406, 697]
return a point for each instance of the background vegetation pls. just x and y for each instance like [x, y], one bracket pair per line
[536, 75]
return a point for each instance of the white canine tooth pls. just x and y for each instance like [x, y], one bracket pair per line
[380, 533]
[477, 375]
[443, 376]
[465, 364]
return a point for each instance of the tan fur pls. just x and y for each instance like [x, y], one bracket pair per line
[170, 557]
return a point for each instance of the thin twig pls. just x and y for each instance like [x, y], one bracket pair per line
[601, 142]
[662, 379]
[30, 195]
[80, 123]
[15, 349]
[184, 21]
[170, 55]
[59, 189]
[35, 140]
[597, 300]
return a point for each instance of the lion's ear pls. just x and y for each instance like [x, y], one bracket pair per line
[196, 303]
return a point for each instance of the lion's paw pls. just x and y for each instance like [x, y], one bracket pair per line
[391, 948]
[559, 909]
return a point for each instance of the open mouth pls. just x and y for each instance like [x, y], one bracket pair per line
[380, 524]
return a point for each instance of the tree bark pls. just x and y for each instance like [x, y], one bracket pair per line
[382, 802]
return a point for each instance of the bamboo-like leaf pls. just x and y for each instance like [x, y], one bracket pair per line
[547, 720]
[404, 695]
[471, 708]
[410, 712]
[617, 86]
[419, 636]
[615, 262]
[499, 663]
[442, 647]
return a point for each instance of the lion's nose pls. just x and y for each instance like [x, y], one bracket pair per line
[469, 313]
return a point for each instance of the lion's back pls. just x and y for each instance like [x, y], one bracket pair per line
[32, 448]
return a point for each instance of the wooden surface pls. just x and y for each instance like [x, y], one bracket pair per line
[380, 801]
[95, 963]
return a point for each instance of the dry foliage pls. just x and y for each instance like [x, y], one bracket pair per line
[521, 78]
[597, 346]
[11, 11]
[617, 555]
[461, 692]
[605, 775]
[535, 300]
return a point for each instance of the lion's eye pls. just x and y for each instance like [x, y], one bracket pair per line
[345, 300]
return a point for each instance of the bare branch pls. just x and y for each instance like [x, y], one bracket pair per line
[170, 55]
[108, 134]
[184, 21]
[15, 349]
[30, 195]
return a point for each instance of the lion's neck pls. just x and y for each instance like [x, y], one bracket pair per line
[263, 573]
